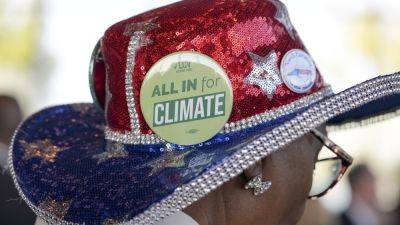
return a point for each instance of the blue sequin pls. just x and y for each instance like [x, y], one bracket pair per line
[118, 187]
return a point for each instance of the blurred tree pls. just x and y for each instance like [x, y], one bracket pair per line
[377, 37]
[19, 25]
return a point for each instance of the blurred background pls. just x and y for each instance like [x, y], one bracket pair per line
[45, 46]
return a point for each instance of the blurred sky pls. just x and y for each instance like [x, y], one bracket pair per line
[45, 47]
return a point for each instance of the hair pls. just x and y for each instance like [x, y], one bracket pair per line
[10, 117]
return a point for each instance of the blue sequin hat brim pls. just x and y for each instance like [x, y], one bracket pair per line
[69, 174]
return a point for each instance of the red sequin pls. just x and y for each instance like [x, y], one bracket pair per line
[223, 30]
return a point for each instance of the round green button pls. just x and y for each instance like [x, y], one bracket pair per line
[186, 98]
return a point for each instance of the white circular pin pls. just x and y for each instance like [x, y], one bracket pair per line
[298, 71]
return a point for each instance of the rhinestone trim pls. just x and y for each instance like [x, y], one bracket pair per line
[275, 113]
[134, 45]
[364, 122]
[129, 138]
[263, 146]
[137, 41]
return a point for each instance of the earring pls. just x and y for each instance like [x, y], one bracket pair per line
[258, 185]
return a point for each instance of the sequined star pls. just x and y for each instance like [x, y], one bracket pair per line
[143, 26]
[200, 160]
[42, 148]
[115, 221]
[138, 30]
[113, 150]
[81, 108]
[56, 208]
[265, 73]
[258, 185]
[173, 159]
[282, 15]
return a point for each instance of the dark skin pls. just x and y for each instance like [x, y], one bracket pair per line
[290, 170]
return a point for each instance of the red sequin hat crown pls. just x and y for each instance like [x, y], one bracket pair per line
[249, 39]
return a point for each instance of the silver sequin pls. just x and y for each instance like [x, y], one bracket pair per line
[138, 40]
[130, 138]
[282, 15]
[265, 73]
[113, 150]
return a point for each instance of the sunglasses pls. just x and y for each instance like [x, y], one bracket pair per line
[331, 165]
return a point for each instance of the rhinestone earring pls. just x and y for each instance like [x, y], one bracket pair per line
[258, 185]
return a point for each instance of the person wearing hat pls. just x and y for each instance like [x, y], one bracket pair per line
[207, 112]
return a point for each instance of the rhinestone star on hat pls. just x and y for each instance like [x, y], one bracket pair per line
[113, 150]
[57, 208]
[44, 149]
[143, 26]
[265, 73]
[282, 15]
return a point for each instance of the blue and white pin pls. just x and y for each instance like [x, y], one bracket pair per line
[298, 71]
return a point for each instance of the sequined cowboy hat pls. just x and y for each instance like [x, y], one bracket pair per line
[105, 163]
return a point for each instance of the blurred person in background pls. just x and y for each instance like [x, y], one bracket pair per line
[316, 214]
[363, 208]
[13, 211]
[394, 216]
